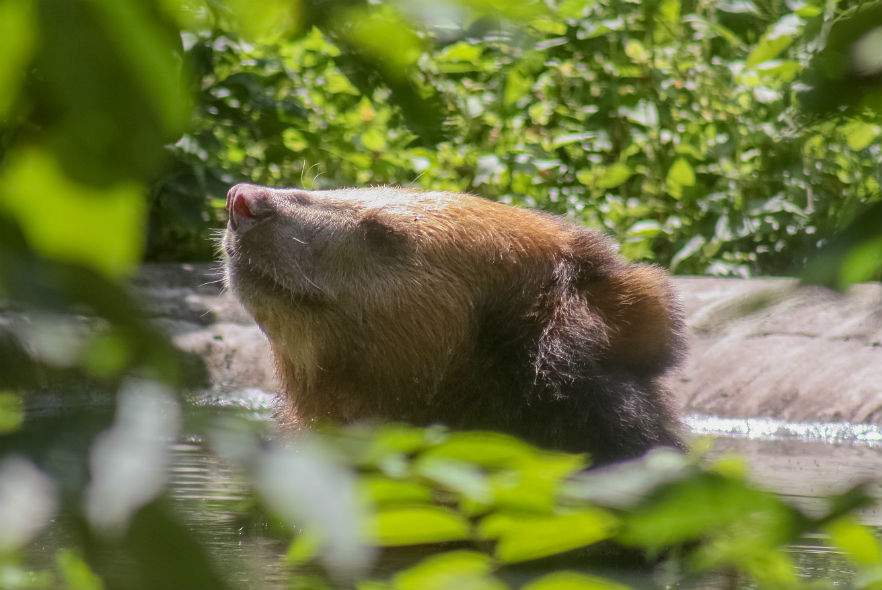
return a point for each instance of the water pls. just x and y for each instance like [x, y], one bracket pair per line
[802, 462]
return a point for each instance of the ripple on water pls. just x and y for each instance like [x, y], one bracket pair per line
[772, 429]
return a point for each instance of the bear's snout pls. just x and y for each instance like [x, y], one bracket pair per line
[247, 203]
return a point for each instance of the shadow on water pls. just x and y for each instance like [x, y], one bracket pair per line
[801, 462]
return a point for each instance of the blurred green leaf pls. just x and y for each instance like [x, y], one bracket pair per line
[416, 525]
[145, 46]
[108, 354]
[265, 21]
[853, 254]
[17, 36]
[517, 11]
[382, 33]
[574, 9]
[857, 541]
[776, 40]
[374, 140]
[522, 537]
[304, 548]
[379, 489]
[680, 175]
[11, 412]
[862, 262]
[76, 572]
[101, 228]
[636, 51]
[458, 476]
[489, 449]
[860, 134]
[645, 228]
[454, 570]
[572, 581]
[516, 86]
[707, 505]
[614, 176]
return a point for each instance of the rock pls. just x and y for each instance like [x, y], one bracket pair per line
[758, 347]
[770, 348]
[189, 302]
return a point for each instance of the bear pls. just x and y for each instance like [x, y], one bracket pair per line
[398, 304]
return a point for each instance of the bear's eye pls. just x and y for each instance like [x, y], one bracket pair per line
[382, 238]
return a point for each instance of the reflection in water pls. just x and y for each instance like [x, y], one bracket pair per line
[209, 494]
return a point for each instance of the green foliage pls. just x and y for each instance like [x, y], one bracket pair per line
[92, 91]
[677, 127]
[11, 412]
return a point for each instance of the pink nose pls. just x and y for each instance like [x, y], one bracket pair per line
[243, 201]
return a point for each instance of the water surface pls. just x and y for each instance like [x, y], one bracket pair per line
[802, 462]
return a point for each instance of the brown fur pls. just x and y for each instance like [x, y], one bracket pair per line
[438, 307]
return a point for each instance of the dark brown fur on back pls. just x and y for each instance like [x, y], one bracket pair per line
[445, 308]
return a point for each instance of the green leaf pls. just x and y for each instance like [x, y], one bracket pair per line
[264, 21]
[521, 537]
[383, 34]
[11, 412]
[646, 228]
[644, 113]
[294, 140]
[337, 83]
[770, 566]
[680, 175]
[64, 220]
[517, 85]
[461, 51]
[861, 263]
[305, 547]
[461, 57]
[572, 581]
[489, 449]
[455, 570]
[459, 476]
[668, 19]
[374, 140]
[379, 489]
[140, 39]
[857, 541]
[416, 525]
[804, 9]
[776, 40]
[768, 49]
[860, 134]
[614, 176]
[108, 353]
[549, 26]
[591, 29]
[636, 51]
[17, 36]
[704, 505]
[525, 10]
[403, 438]
[76, 572]
[574, 9]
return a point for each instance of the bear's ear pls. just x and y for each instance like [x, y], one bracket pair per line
[635, 301]
[382, 238]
